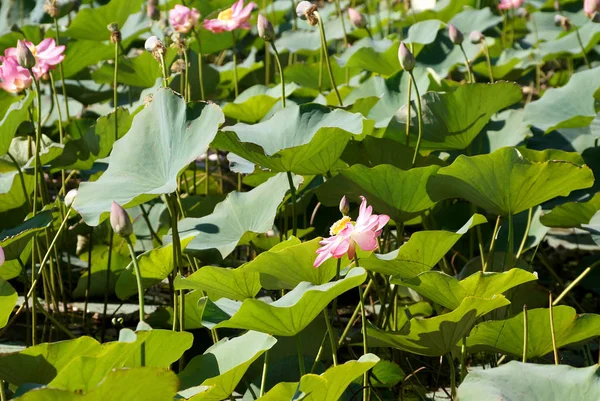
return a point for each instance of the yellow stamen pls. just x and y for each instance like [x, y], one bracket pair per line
[339, 225]
[225, 15]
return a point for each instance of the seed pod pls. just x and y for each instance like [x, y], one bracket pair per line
[407, 59]
[24, 56]
[155, 46]
[456, 36]
[51, 9]
[115, 33]
[120, 221]
[265, 29]
[306, 11]
[70, 197]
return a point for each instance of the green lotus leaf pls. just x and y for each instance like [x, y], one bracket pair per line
[568, 45]
[219, 282]
[391, 93]
[450, 292]
[13, 241]
[305, 139]
[420, 253]
[438, 335]
[8, 300]
[244, 68]
[380, 56]
[504, 129]
[146, 162]
[141, 71]
[151, 384]
[400, 194]
[14, 110]
[386, 374]
[91, 23]
[506, 182]
[12, 195]
[550, 112]
[307, 76]
[252, 211]
[372, 151]
[214, 375]
[506, 336]
[252, 105]
[449, 119]
[424, 32]
[119, 260]
[330, 386]
[471, 20]
[292, 264]
[83, 53]
[527, 381]
[442, 55]
[291, 313]
[572, 214]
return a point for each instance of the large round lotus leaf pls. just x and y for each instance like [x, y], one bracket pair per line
[220, 282]
[438, 335]
[568, 45]
[136, 71]
[8, 300]
[13, 241]
[254, 103]
[517, 381]
[329, 386]
[215, 374]
[570, 106]
[450, 292]
[240, 212]
[420, 253]
[164, 138]
[572, 214]
[475, 20]
[291, 313]
[450, 119]
[91, 23]
[13, 111]
[380, 56]
[305, 139]
[506, 336]
[442, 55]
[149, 384]
[400, 194]
[505, 182]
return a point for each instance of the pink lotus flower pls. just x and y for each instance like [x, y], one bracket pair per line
[183, 18]
[591, 6]
[232, 18]
[46, 54]
[13, 77]
[345, 235]
[1, 256]
[508, 4]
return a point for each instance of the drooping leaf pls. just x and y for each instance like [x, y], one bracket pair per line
[420, 253]
[507, 181]
[219, 282]
[400, 194]
[450, 292]
[519, 381]
[438, 335]
[13, 241]
[572, 214]
[8, 300]
[305, 139]
[506, 336]
[252, 211]
[146, 162]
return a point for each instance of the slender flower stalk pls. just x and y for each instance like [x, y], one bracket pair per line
[115, 38]
[477, 37]
[408, 62]
[457, 37]
[327, 60]
[61, 72]
[235, 73]
[200, 66]
[419, 119]
[267, 33]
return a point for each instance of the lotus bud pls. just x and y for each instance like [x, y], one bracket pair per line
[155, 46]
[115, 33]
[562, 21]
[357, 19]
[306, 11]
[1, 256]
[70, 197]
[51, 9]
[476, 37]
[120, 221]
[591, 6]
[24, 56]
[344, 206]
[265, 29]
[407, 60]
[456, 36]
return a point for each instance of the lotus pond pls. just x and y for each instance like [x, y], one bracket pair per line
[289, 200]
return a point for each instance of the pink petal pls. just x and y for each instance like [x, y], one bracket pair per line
[367, 241]
[237, 7]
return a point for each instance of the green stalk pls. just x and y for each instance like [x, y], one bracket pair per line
[587, 62]
[354, 314]
[186, 85]
[366, 388]
[452, 376]
[331, 336]
[554, 348]
[200, 67]
[527, 228]
[171, 199]
[525, 331]
[300, 355]
[61, 72]
[486, 50]
[492, 243]
[327, 61]
[163, 69]
[235, 75]
[293, 195]
[282, 78]
[409, 92]
[107, 285]
[419, 118]
[338, 9]
[21, 179]
[538, 65]
[115, 94]
[467, 64]
[88, 285]
[508, 260]
[463, 357]
[60, 127]
[575, 282]
[263, 379]
[138, 278]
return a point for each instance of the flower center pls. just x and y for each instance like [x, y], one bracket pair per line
[225, 15]
[339, 225]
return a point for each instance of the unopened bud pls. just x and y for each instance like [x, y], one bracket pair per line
[51, 9]
[407, 59]
[357, 18]
[306, 11]
[120, 221]
[265, 29]
[70, 197]
[344, 206]
[456, 36]
[115, 33]
[476, 37]
[24, 56]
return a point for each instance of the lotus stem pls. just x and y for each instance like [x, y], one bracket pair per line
[186, 73]
[509, 258]
[173, 212]
[525, 234]
[486, 50]
[354, 314]
[338, 9]
[467, 64]
[107, 284]
[556, 360]
[293, 195]
[60, 129]
[281, 76]
[206, 172]
[327, 60]
[21, 179]
[492, 244]
[369, 32]
[263, 379]
[452, 376]
[409, 96]
[575, 282]
[319, 353]
[115, 94]
[419, 118]
[321, 69]
[525, 333]
[585, 58]
[331, 336]
[300, 355]
[538, 65]
[200, 67]
[61, 72]
[163, 68]
[235, 75]
[88, 284]
[463, 357]
[363, 313]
